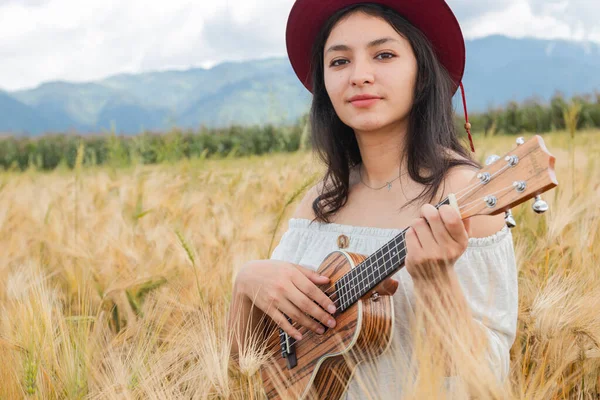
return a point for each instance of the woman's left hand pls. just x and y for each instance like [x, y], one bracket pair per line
[434, 242]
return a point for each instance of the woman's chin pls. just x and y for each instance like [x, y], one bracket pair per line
[366, 123]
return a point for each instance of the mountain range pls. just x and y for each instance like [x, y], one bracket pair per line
[499, 69]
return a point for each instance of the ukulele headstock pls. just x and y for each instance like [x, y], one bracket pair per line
[520, 175]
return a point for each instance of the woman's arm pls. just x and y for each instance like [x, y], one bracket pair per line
[243, 321]
[244, 317]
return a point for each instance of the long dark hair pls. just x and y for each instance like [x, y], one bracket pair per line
[431, 132]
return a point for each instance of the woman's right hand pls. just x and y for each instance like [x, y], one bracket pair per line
[279, 287]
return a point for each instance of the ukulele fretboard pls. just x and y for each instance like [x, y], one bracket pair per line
[373, 270]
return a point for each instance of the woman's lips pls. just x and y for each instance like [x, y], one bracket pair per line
[364, 103]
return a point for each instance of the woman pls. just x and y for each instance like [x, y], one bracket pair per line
[382, 121]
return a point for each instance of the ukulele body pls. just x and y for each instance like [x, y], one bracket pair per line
[325, 363]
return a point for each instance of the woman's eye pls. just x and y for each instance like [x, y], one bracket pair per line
[390, 54]
[334, 62]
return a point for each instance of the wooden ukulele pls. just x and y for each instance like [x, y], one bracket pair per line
[316, 367]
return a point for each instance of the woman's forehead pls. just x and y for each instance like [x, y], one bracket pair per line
[361, 30]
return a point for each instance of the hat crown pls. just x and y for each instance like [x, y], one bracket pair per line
[432, 17]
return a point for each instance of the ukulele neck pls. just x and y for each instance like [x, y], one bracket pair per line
[373, 270]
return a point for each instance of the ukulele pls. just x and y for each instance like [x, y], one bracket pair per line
[317, 366]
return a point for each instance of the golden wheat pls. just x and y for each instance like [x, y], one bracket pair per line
[116, 283]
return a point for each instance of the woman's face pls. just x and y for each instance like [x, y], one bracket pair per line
[365, 55]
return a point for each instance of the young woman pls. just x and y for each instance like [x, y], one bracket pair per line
[382, 77]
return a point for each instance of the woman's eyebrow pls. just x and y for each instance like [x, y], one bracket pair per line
[376, 42]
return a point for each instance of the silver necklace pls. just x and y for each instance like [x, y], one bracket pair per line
[388, 184]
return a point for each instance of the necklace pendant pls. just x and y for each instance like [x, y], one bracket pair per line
[389, 185]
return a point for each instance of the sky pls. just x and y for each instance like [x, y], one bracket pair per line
[86, 40]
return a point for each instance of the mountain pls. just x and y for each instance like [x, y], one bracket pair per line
[499, 69]
[17, 117]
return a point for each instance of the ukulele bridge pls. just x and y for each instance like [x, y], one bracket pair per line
[288, 347]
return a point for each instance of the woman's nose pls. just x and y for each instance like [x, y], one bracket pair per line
[362, 73]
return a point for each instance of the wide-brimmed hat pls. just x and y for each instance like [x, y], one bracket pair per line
[432, 17]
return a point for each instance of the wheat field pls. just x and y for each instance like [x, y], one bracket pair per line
[115, 283]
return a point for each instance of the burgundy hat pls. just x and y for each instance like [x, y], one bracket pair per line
[433, 17]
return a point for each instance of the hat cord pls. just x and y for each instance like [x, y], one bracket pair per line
[467, 124]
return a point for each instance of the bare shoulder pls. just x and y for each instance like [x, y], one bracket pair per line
[481, 225]
[304, 208]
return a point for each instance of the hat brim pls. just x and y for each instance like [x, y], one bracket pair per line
[433, 17]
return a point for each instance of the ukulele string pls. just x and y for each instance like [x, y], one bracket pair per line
[351, 281]
[468, 188]
[471, 205]
[462, 208]
[474, 186]
[305, 330]
[299, 328]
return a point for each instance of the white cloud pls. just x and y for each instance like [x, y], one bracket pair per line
[24, 2]
[581, 15]
[76, 40]
[517, 20]
[468, 10]
[548, 19]
[86, 40]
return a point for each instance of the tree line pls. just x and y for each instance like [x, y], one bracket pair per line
[50, 151]
[53, 150]
[535, 116]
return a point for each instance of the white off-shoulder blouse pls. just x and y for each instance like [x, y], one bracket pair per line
[487, 273]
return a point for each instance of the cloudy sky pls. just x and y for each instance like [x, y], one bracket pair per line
[82, 40]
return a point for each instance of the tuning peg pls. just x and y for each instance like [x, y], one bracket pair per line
[520, 140]
[491, 159]
[509, 219]
[540, 206]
